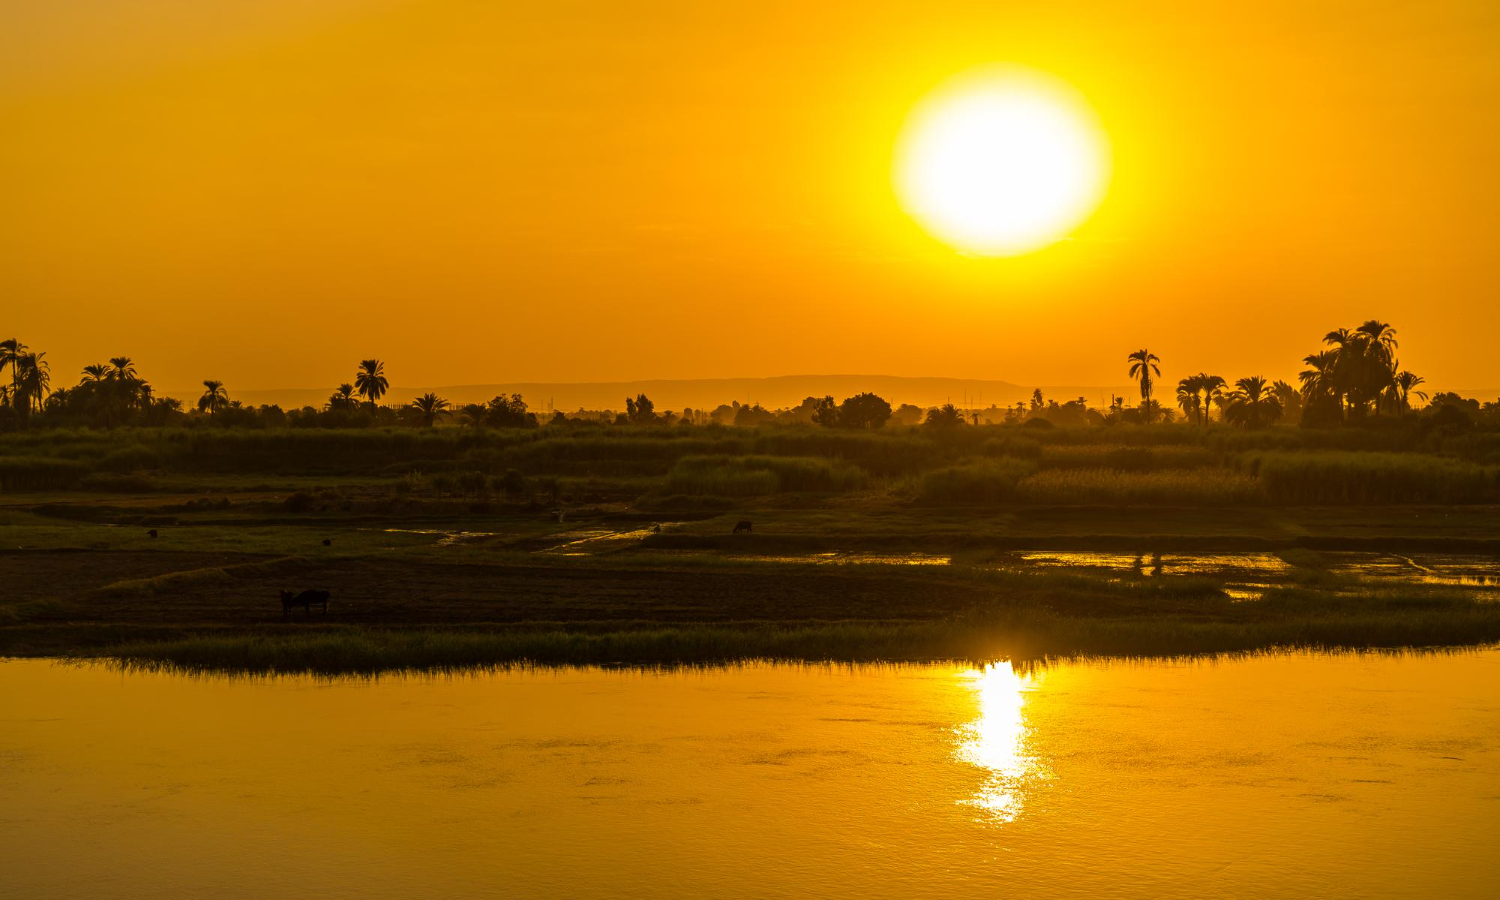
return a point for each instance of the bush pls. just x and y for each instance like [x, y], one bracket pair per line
[300, 502]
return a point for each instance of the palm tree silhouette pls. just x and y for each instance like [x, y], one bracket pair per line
[10, 352]
[214, 396]
[1404, 384]
[370, 381]
[35, 377]
[1253, 403]
[93, 374]
[1143, 365]
[1187, 396]
[430, 406]
[122, 369]
[1213, 388]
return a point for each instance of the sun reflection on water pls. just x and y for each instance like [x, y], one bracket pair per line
[998, 740]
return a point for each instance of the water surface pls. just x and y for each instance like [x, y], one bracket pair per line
[1274, 776]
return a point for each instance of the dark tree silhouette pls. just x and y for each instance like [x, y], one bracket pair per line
[214, 397]
[1143, 368]
[370, 381]
[639, 410]
[826, 413]
[864, 411]
[429, 406]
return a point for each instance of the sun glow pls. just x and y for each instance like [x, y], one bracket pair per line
[997, 740]
[1001, 161]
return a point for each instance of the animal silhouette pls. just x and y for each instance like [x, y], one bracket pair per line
[743, 526]
[151, 533]
[656, 528]
[327, 542]
[306, 600]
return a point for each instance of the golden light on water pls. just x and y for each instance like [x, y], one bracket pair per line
[997, 740]
[1001, 162]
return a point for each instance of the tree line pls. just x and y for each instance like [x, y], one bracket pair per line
[1356, 377]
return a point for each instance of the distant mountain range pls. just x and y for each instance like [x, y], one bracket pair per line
[674, 394]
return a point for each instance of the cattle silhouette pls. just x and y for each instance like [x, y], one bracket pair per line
[743, 526]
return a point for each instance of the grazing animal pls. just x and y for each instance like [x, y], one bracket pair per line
[743, 525]
[151, 533]
[327, 542]
[306, 600]
[656, 528]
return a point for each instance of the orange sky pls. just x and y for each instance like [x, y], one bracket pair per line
[266, 191]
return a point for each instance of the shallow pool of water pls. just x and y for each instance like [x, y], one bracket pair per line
[1274, 776]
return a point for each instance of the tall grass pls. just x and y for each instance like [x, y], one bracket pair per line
[985, 481]
[1126, 458]
[742, 476]
[1173, 487]
[1346, 477]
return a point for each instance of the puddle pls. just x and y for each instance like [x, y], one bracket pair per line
[852, 558]
[588, 541]
[447, 539]
[1149, 564]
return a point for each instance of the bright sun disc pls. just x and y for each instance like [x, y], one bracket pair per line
[1001, 162]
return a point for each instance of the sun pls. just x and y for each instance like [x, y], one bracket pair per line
[1002, 161]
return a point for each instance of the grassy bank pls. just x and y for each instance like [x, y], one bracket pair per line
[1291, 618]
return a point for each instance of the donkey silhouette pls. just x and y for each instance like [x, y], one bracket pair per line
[306, 600]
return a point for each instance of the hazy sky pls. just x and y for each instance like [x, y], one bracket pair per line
[266, 191]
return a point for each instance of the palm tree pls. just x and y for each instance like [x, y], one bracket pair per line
[1289, 398]
[1213, 389]
[10, 353]
[1143, 365]
[1188, 397]
[122, 369]
[1253, 403]
[370, 381]
[430, 406]
[35, 378]
[1317, 381]
[1403, 385]
[343, 398]
[214, 396]
[94, 374]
